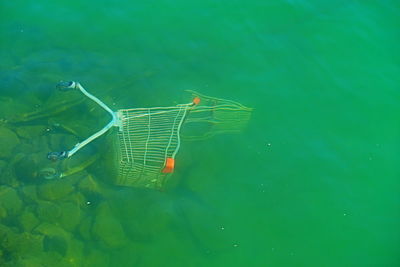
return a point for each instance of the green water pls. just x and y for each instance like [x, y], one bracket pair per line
[312, 181]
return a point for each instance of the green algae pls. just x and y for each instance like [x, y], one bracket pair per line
[48, 211]
[55, 189]
[28, 221]
[9, 142]
[10, 200]
[71, 216]
[107, 229]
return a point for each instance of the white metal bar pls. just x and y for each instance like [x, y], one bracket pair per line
[112, 123]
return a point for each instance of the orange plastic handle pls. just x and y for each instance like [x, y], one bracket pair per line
[169, 165]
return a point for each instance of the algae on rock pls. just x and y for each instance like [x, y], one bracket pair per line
[55, 238]
[96, 258]
[48, 211]
[89, 185]
[30, 193]
[55, 189]
[30, 131]
[107, 229]
[85, 227]
[10, 200]
[28, 221]
[19, 245]
[71, 215]
[3, 165]
[9, 141]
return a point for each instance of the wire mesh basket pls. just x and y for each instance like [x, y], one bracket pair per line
[147, 140]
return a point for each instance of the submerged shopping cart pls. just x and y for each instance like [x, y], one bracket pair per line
[148, 139]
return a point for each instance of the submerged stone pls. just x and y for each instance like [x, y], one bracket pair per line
[77, 198]
[55, 239]
[75, 253]
[107, 229]
[30, 193]
[61, 141]
[28, 221]
[146, 218]
[5, 231]
[10, 200]
[85, 227]
[71, 215]
[205, 230]
[128, 255]
[3, 165]
[9, 141]
[55, 189]
[26, 168]
[55, 243]
[48, 211]
[30, 131]
[24, 244]
[59, 242]
[3, 213]
[96, 258]
[89, 185]
[18, 245]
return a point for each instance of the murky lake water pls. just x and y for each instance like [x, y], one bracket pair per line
[313, 180]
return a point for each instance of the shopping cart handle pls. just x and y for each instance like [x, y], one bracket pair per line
[66, 86]
[54, 156]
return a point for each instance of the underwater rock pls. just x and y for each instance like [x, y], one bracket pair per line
[3, 213]
[71, 215]
[27, 262]
[10, 107]
[3, 165]
[77, 198]
[10, 200]
[30, 131]
[28, 221]
[48, 211]
[176, 256]
[85, 228]
[26, 168]
[16, 245]
[75, 253]
[23, 244]
[89, 185]
[37, 146]
[205, 230]
[55, 189]
[30, 193]
[55, 239]
[4, 232]
[25, 148]
[129, 255]
[9, 141]
[55, 243]
[33, 167]
[8, 174]
[96, 258]
[49, 258]
[3, 172]
[58, 142]
[49, 229]
[107, 229]
[148, 215]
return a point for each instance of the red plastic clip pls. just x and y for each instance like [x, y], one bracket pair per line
[169, 165]
[196, 100]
